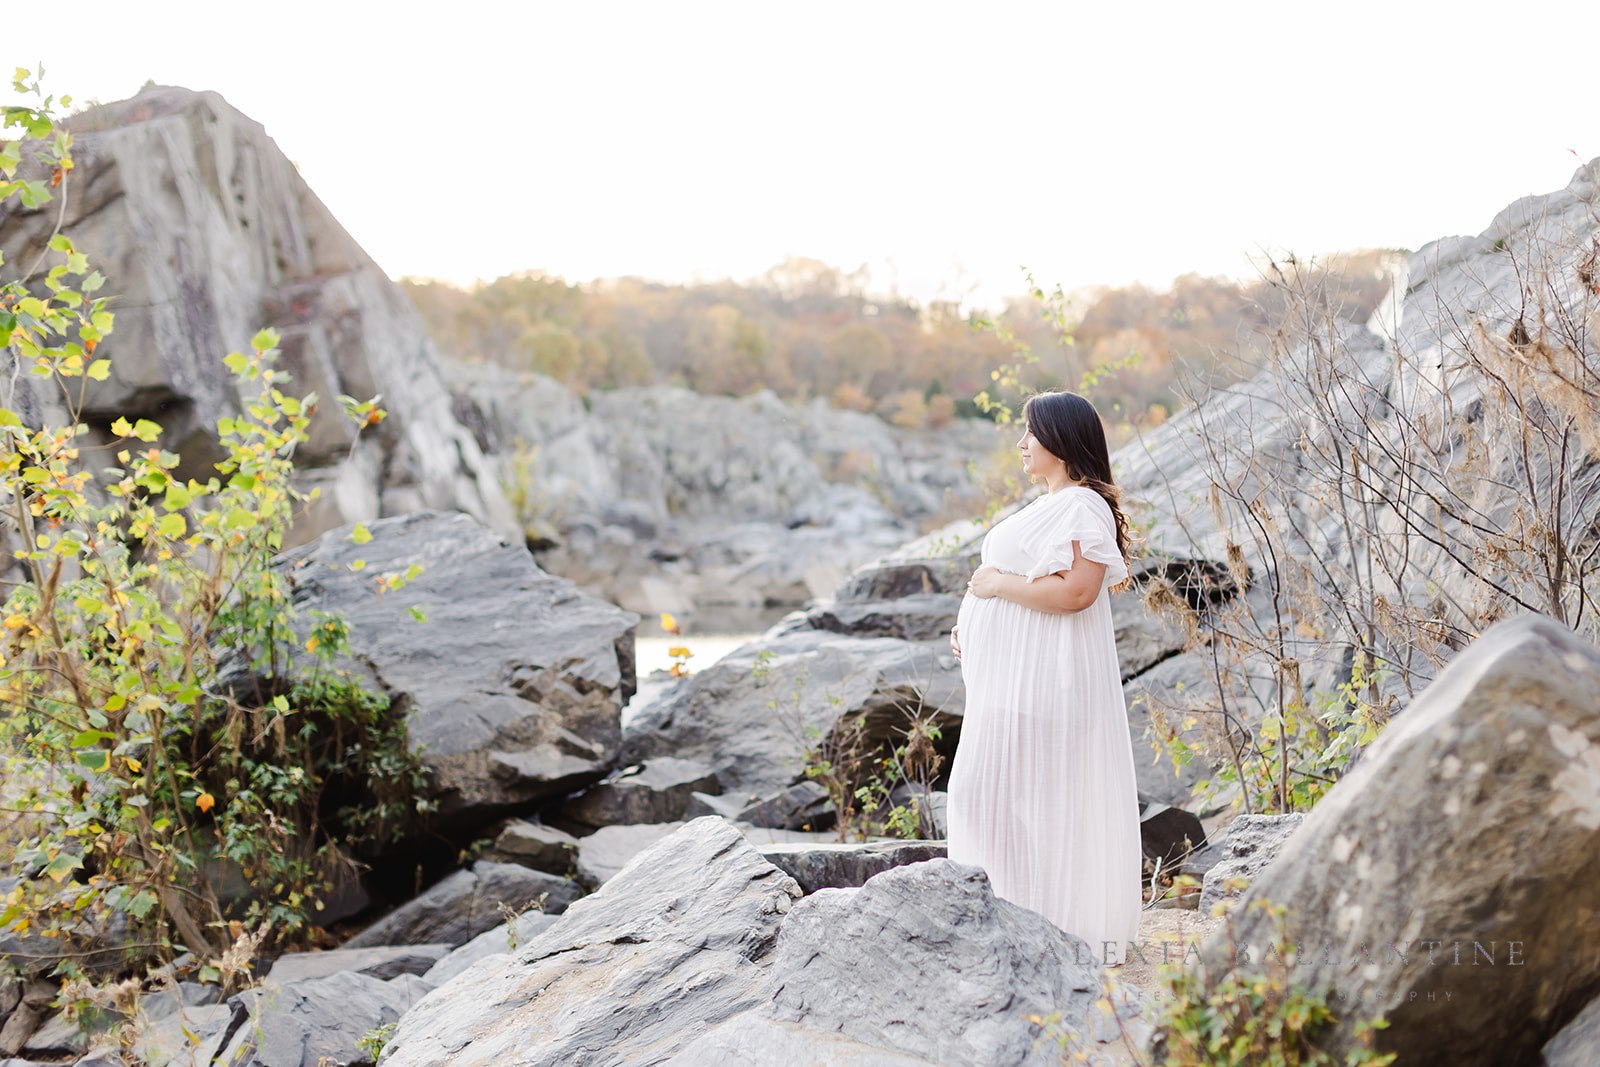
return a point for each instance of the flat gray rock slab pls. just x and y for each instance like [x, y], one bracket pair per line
[466, 903]
[382, 962]
[655, 791]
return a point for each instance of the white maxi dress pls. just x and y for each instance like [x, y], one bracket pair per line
[1042, 793]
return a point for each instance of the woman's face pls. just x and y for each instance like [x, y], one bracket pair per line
[1037, 460]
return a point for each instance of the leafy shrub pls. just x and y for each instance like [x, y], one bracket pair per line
[172, 737]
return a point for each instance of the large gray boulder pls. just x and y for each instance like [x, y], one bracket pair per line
[667, 948]
[514, 685]
[751, 718]
[466, 903]
[207, 233]
[1437, 844]
[922, 961]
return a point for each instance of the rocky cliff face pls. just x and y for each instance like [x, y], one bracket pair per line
[207, 234]
[667, 500]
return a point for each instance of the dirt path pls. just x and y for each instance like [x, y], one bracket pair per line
[1164, 936]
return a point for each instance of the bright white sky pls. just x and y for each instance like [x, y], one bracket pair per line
[943, 145]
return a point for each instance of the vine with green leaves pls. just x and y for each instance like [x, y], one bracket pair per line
[191, 769]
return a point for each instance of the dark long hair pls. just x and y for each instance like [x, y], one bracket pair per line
[1069, 428]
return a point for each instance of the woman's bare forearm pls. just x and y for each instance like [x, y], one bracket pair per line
[1057, 594]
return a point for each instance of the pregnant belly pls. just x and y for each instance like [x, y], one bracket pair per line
[984, 624]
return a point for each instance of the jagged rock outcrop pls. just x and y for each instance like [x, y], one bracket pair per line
[1459, 856]
[514, 684]
[206, 233]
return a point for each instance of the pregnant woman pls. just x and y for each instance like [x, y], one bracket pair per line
[1042, 793]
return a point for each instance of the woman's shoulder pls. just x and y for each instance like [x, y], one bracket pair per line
[1076, 494]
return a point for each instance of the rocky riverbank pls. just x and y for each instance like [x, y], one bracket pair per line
[677, 890]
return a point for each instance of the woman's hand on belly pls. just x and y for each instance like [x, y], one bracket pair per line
[985, 582]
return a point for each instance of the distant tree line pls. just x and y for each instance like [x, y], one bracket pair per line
[806, 329]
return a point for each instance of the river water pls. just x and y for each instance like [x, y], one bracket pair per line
[653, 661]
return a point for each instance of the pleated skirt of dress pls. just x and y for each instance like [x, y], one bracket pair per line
[1042, 793]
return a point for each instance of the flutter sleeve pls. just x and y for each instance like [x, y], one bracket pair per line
[1084, 518]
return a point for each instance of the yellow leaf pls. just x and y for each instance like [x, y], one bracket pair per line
[133, 765]
[360, 535]
[311, 645]
[669, 623]
[205, 801]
